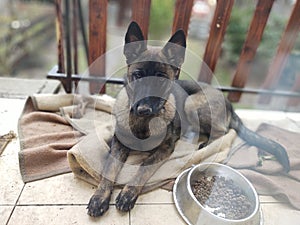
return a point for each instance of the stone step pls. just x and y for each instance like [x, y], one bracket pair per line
[22, 88]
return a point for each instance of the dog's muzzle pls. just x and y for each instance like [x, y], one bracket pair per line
[144, 110]
[148, 95]
[148, 106]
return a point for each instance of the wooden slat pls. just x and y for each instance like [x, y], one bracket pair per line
[254, 36]
[75, 37]
[141, 14]
[216, 36]
[97, 41]
[285, 47]
[59, 37]
[183, 10]
[68, 81]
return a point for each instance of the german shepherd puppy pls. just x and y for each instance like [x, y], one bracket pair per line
[156, 109]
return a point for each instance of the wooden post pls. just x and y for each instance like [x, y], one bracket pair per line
[216, 36]
[141, 14]
[97, 42]
[68, 81]
[183, 11]
[254, 36]
[285, 47]
[59, 37]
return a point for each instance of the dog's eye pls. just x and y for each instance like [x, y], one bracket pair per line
[161, 76]
[137, 74]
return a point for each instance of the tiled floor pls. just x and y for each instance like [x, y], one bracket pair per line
[63, 199]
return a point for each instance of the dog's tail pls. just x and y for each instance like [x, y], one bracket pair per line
[261, 142]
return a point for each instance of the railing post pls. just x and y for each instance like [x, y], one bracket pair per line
[216, 36]
[97, 42]
[254, 36]
[285, 47]
[141, 14]
[183, 11]
[68, 84]
[59, 37]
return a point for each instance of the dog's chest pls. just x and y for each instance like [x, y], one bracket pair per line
[139, 126]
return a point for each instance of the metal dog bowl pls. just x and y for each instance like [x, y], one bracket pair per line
[194, 213]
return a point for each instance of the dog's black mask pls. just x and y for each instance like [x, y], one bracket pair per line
[151, 71]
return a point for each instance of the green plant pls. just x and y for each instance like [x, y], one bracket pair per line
[236, 32]
[161, 18]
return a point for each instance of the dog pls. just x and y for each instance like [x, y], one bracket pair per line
[156, 109]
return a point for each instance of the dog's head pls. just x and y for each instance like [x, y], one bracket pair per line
[151, 70]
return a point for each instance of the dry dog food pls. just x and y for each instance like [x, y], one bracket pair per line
[222, 197]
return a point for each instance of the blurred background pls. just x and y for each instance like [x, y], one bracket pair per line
[28, 39]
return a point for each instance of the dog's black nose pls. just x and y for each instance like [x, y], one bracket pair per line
[144, 110]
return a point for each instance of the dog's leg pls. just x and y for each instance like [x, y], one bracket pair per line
[99, 202]
[129, 194]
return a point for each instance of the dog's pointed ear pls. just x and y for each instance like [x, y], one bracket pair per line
[135, 42]
[174, 50]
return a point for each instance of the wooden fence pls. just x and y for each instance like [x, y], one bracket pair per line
[182, 13]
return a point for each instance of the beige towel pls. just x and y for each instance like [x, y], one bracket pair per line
[45, 138]
[47, 132]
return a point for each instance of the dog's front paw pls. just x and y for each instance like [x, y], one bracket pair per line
[126, 199]
[98, 205]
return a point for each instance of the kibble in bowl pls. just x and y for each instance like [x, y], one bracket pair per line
[212, 193]
[222, 197]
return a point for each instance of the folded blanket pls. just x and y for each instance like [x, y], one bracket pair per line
[54, 127]
[266, 174]
[88, 157]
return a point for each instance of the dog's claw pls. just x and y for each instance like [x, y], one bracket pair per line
[97, 206]
[126, 200]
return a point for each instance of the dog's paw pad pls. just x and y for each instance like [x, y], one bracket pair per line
[97, 206]
[125, 201]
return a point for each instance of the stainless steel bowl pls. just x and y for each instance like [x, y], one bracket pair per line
[195, 213]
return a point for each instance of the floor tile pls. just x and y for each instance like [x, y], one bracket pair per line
[64, 215]
[12, 149]
[295, 119]
[269, 199]
[62, 189]
[5, 212]
[10, 111]
[278, 214]
[294, 116]
[158, 196]
[155, 214]
[11, 183]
